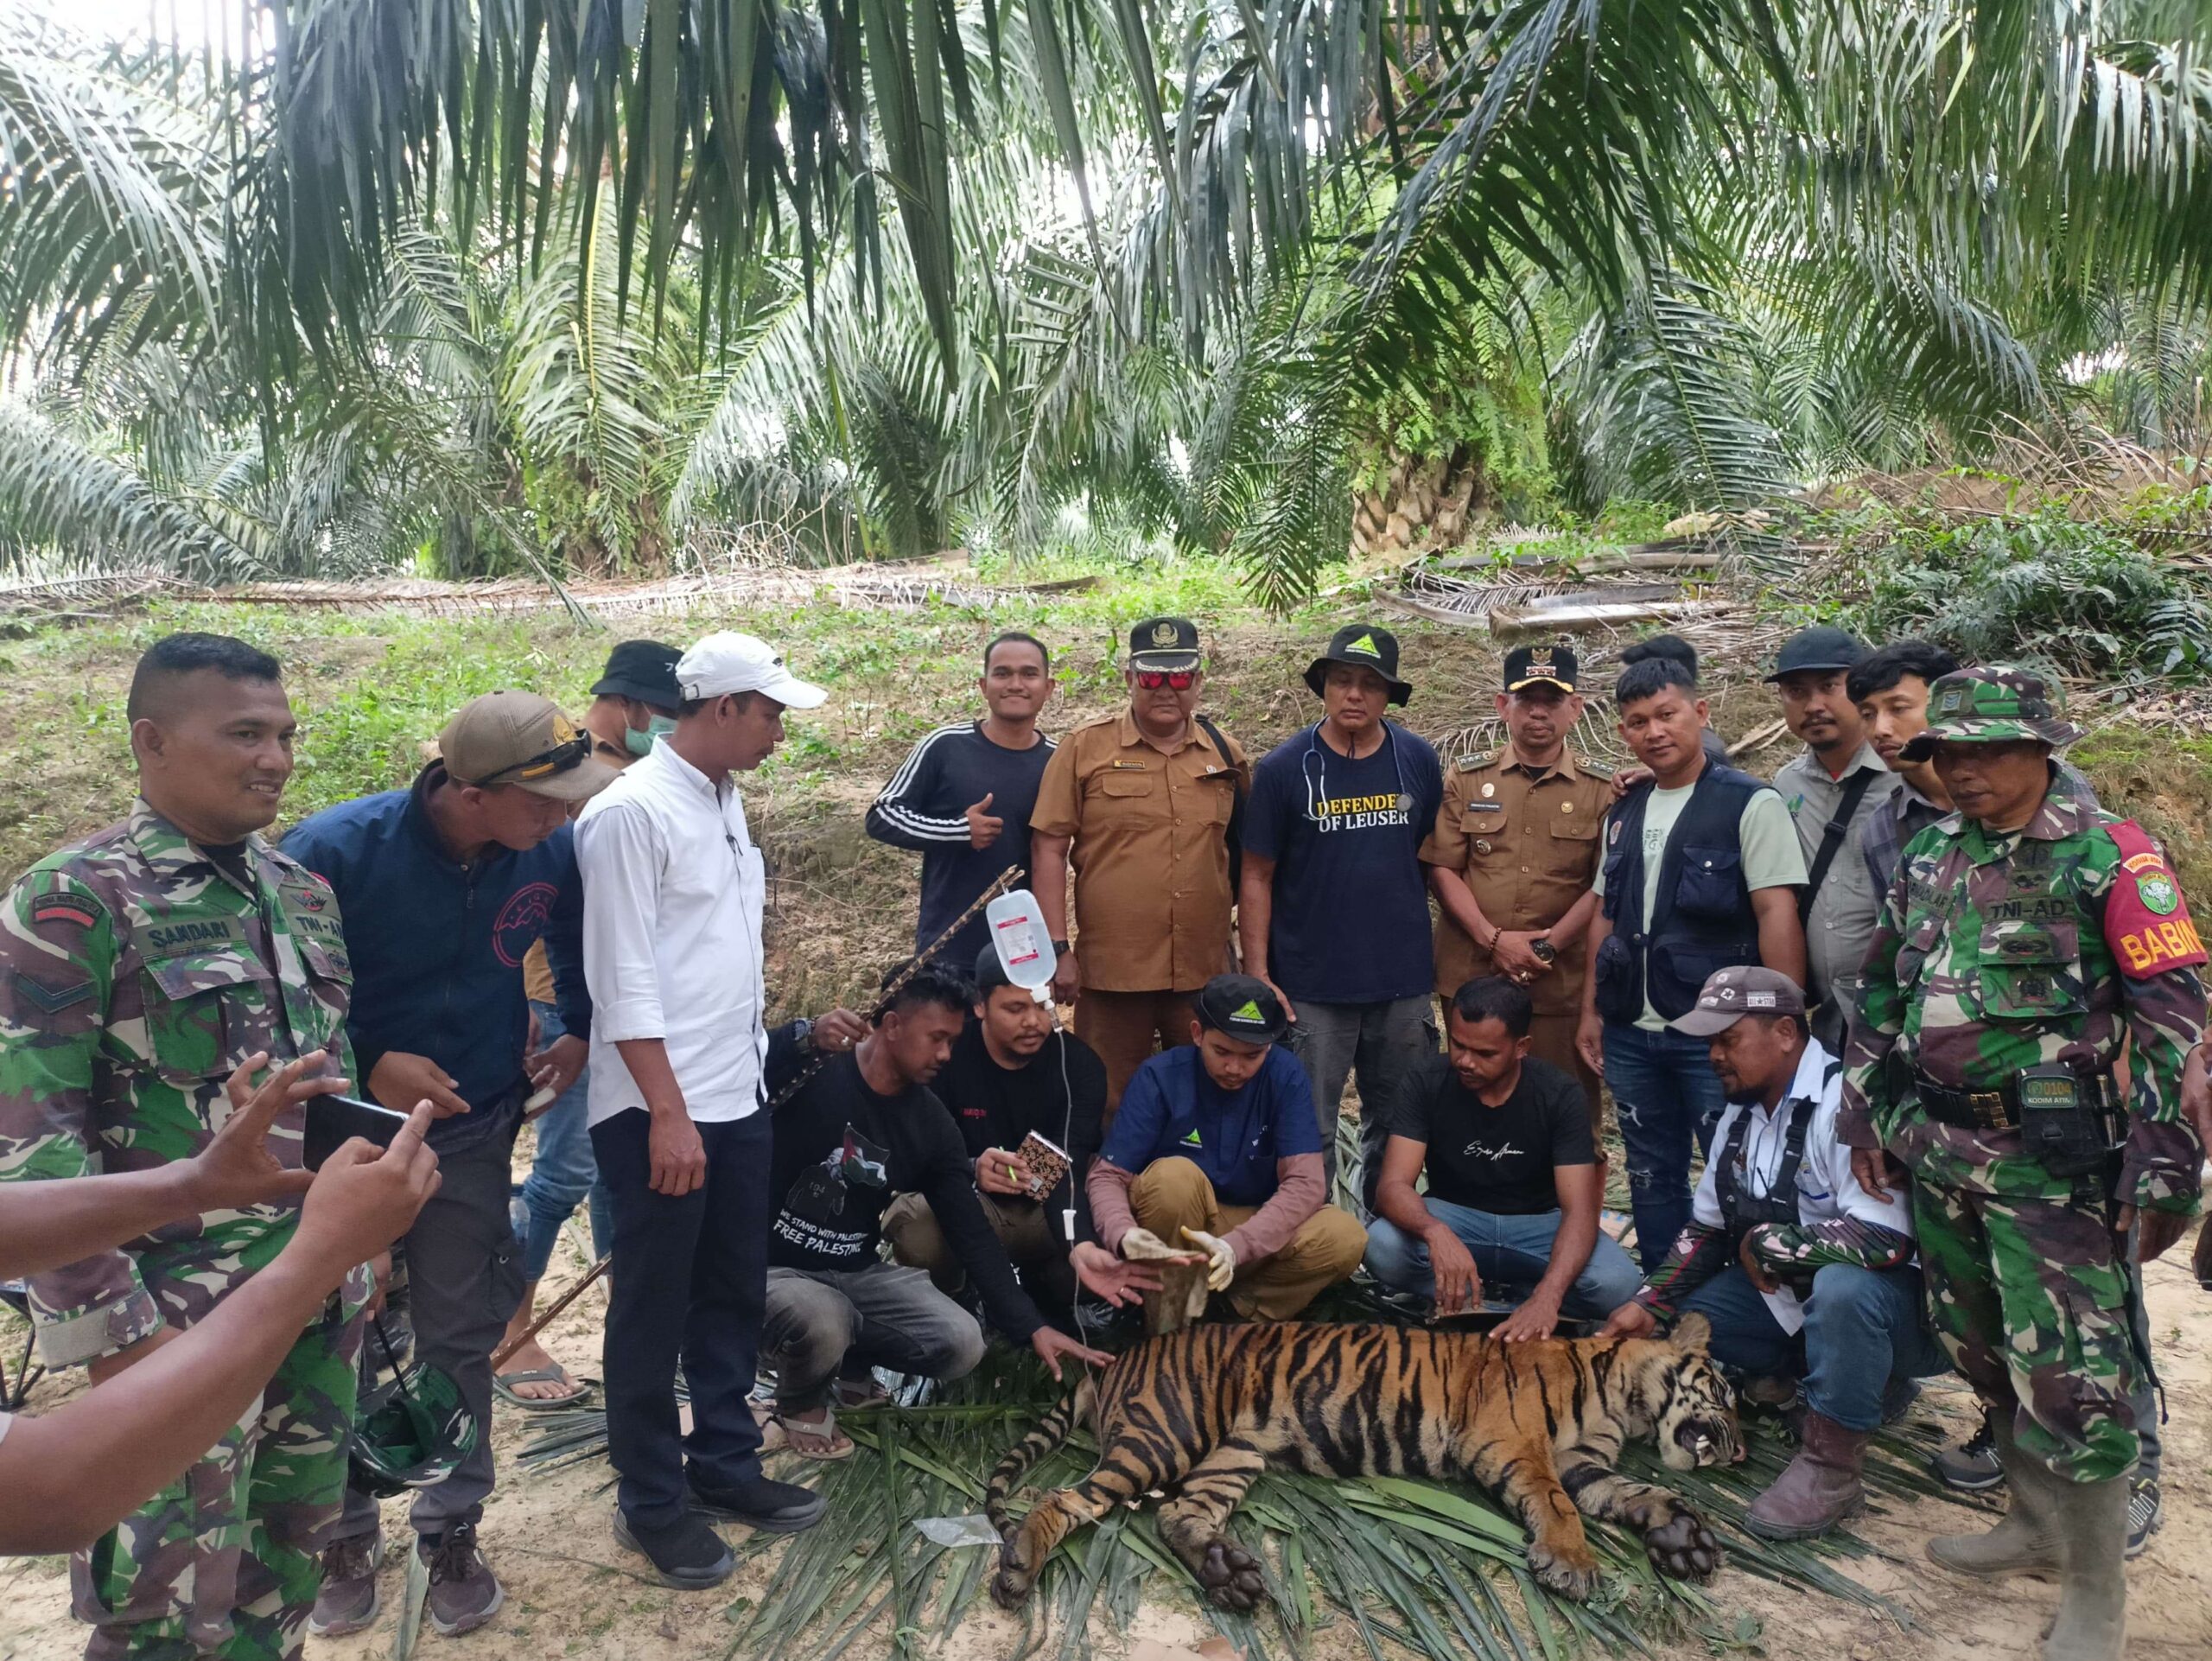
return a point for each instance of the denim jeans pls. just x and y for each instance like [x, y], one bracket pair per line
[1510, 1250]
[1863, 1328]
[563, 1171]
[1665, 1095]
[1383, 1043]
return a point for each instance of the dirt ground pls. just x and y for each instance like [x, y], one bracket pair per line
[572, 1592]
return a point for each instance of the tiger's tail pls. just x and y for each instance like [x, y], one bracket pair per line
[1051, 1430]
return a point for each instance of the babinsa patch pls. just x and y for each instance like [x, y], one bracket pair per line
[2146, 921]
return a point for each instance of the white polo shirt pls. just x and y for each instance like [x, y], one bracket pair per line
[1826, 1190]
[673, 895]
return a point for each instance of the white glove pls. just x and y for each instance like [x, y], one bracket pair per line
[1142, 1245]
[1221, 1265]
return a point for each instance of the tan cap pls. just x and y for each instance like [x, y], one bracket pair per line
[521, 739]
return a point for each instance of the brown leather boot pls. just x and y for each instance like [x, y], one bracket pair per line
[1820, 1488]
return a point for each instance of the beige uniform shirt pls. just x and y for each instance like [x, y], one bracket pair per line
[1525, 840]
[1150, 852]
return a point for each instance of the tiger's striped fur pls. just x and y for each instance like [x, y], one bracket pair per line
[1539, 1425]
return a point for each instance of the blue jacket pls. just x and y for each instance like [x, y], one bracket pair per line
[437, 946]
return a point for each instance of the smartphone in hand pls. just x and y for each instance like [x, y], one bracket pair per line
[332, 1121]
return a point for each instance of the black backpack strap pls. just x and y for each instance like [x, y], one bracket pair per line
[1832, 839]
[1236, 833]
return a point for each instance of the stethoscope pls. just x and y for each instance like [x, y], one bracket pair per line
[1316, 759]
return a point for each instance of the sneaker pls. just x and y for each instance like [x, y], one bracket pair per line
[1971, 1466]
[686, 1554]
[2145, 1514]
[346, 1600]
[761, 1503]
[464, 1592]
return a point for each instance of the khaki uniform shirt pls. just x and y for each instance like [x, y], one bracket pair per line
[1150, 852]
[1525, 840]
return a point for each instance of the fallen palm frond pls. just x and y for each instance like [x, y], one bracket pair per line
[1433, 1570]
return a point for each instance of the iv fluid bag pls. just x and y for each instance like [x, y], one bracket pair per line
[1018, 935]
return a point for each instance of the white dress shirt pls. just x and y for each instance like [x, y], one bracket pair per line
[673, 894]
[1826, 1188]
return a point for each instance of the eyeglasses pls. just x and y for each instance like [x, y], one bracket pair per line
[1181, 679]
[562, 758]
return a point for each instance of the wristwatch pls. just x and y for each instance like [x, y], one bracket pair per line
[1061, 948]
[805, 1034]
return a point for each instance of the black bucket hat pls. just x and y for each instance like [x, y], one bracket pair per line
[1362, 646]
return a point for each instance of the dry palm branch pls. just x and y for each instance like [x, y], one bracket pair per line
[1430, 1570]
[892, 988]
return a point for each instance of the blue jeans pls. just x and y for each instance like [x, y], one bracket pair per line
[1665, 1095]
[1508, 1249]
[564, 1171]
[1863, 1328]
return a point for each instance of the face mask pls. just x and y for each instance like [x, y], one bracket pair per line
[639, 743]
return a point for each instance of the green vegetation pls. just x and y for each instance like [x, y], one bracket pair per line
[461, 287]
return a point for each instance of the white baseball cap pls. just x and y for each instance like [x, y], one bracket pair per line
[727, 662]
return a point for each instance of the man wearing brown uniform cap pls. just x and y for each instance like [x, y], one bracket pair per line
[1140, 804]
[1513, 855]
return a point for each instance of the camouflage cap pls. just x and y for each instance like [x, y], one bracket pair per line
[1996, 705]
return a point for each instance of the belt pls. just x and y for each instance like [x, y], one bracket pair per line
[1988, 1109]
[1969, 1110]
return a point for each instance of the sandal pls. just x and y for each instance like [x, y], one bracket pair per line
[851, 1395]
[814, 1438]
[503, 1386]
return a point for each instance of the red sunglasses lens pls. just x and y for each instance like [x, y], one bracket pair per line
[1152, 680]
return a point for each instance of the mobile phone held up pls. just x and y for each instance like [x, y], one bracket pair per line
[334, 1120]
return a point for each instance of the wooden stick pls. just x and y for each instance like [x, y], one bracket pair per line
[501, 1356]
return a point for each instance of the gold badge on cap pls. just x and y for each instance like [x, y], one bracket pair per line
[1163, 634]
[564, 730]
[1539, 666]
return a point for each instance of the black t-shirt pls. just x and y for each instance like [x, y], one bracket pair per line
[998, 1107]
[925, 807]
[841, 1151]
[1495, 1159]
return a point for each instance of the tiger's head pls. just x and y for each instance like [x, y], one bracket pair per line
[1694, 1416]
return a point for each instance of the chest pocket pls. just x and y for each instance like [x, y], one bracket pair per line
[1212, 797]
[1122, 786]
[1711, 879]
[207, 1011]
[2029, 971]
[1573, 844]
[1923, 931]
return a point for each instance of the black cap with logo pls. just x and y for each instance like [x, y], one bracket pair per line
[643, 670]
[1540, 665]
[1362, 646]
[1243, 1007]
[1168, 643]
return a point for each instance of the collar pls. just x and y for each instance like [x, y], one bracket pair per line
[1809, 1084]
[169, 854]
[1132, 736]
[2059, 817]
[1564, 767]
[684, 775]
[1865, 758]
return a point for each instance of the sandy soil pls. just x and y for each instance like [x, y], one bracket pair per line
[573, 1592]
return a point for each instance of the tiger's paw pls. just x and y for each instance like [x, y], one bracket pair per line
[1684, 1547]
[1557, 1572]
[1011, 1585]
[1230, 1575]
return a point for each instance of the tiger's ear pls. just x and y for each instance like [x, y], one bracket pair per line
[1692, 1332]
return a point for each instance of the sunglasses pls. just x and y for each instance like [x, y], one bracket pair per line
[562, 758]
[1181, 679]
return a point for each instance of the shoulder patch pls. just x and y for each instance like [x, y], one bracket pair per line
[51, 999]
[1595, 769]
[1476, 763]
[2146, 920]
[65, 909]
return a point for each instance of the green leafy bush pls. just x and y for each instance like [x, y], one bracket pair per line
[2082, 596]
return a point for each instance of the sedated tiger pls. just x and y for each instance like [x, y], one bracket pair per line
[1538, 1424]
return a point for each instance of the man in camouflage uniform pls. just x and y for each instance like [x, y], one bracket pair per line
[138, 969]
[2025, 939]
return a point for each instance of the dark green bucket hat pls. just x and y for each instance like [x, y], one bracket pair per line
[1997, 704]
